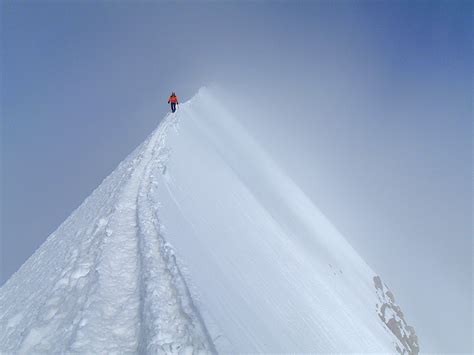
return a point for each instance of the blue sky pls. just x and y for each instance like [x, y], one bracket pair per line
[368, 105]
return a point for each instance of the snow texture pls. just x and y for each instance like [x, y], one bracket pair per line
[196, 243]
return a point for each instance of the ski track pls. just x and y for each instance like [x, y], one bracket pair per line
[119, 288]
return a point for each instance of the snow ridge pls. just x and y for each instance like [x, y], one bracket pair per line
[106, 280]
[199, 243]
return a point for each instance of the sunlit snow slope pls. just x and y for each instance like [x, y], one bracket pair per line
[198, 242]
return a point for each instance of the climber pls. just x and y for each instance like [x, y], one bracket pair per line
[173, 100]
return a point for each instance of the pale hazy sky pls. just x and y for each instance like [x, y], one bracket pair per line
[367, 105]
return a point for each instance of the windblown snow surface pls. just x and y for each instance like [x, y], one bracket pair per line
[199, 243]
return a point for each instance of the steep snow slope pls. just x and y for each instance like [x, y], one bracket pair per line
[270, 272]
[258, 267]
[105, 281]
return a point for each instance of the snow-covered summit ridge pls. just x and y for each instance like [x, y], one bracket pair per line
[198, 242]
[280, 258]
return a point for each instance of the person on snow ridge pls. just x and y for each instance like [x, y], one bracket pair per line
[173, 100]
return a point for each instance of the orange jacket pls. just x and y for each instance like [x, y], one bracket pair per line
[173, 99]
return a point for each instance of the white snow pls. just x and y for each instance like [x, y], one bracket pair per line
[197, 242]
